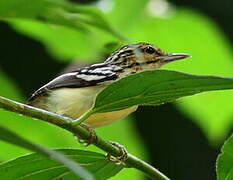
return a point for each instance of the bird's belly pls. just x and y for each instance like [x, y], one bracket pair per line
[74, 102]
[101, 119]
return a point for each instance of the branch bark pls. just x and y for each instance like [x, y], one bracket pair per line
[66, 123]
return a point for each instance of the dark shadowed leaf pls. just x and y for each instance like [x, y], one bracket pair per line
[54, 157]
[156, 87]
[34, 166]
[225, 161]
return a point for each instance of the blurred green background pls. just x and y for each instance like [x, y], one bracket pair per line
[181, 139]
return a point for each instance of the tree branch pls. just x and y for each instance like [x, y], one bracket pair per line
[66, 123]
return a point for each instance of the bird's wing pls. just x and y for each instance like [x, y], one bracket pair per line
[73, 80]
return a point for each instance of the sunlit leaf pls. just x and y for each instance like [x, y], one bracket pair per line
[68, 46]
[56, 12]
[35, 166]
[156, 87]
[62, 26]
[10, 137]
[225, 161]
[127, 18]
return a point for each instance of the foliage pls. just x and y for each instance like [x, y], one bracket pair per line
[159, 86]
[30, 166]
[35, 166]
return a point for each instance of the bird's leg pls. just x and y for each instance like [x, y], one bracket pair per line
[122, 157]
[91, 139]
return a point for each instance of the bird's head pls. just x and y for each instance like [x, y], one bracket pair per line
[141, 56]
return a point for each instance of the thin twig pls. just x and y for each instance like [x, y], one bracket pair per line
[65, 123]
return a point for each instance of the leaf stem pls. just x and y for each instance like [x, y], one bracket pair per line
[66, 123]
[82, 118]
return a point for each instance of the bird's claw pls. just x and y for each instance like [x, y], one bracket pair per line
[119, 159]
[91, 139]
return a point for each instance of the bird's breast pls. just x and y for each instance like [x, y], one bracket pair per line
[73, 102]
[101, 119]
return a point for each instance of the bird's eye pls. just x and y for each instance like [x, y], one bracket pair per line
[150, 50]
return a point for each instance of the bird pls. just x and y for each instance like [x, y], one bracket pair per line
[73, 93]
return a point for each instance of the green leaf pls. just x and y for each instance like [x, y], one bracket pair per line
[10, 137]
[58, 12]
[35, 166]
[127, 14]
[62, 42]
[225, 161]
[156, 87]
[68, 30]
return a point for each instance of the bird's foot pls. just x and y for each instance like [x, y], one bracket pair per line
[119, 159]
[91, 139]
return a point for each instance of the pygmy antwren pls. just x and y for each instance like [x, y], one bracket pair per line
[73, 93]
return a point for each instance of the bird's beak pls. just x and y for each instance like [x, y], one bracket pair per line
[173, 57]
